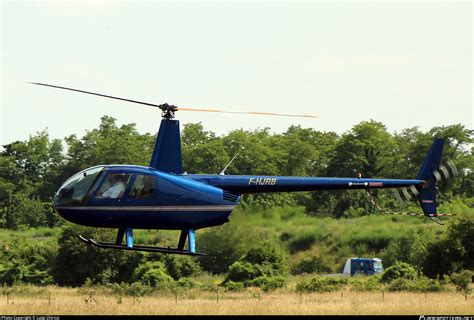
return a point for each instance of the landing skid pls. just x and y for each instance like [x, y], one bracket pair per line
[107, 245]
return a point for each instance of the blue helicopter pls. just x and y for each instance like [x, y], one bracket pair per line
[161, 196]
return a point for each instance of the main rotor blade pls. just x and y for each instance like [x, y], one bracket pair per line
[248, 112]
[97, 94]
[166, 107]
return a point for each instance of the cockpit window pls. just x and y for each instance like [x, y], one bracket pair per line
[143, 186]
[114, 187]
[74, 190]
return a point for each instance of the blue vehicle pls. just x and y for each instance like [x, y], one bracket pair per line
[365, 266]
[162, 196]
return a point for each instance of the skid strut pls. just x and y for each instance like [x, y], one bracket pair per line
[129, 238]
[192, 241]
[128, 233]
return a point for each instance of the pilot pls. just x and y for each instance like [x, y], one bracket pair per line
[147, 190]
[116, 188]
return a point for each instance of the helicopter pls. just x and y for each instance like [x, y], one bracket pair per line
[162, 196]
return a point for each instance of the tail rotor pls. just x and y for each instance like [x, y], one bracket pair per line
[432, 173]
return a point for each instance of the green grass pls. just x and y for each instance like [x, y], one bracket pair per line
[38, 235]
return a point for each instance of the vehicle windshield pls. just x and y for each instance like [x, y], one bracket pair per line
[74, 190]
[378, 265]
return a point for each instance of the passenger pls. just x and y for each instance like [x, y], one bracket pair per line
[147, 190]
[116, 188]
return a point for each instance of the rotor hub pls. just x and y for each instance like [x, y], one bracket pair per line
[168, 110]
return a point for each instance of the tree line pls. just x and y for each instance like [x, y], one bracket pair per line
[257, 250]
[31, 171]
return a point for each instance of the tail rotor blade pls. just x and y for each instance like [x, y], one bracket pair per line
[399, 198]
[414, 190]
[444, 171]
[406, 194]
[451, 165]
[437, 176]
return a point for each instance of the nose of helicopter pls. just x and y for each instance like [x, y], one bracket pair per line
[75, 189]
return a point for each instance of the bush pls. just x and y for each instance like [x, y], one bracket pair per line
[22, 262]
[135, 289]
[76, 261]
[310, 265]
[242, 271]
[302, 242]
[410, 248]
[462, 281]
[152, 273]
[421, 284]
[260, 266]
[265, 254]
[322, 284]
[363, 283]
[224, 245]
[181, 266]
[186, 283]
[23, 210]
[234, 286]
[455, 252]
[285, 236]
[268, 283]
[397, 271]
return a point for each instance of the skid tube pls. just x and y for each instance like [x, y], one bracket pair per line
[107, 245]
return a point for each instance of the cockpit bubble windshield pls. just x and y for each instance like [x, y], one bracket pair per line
[75, 189]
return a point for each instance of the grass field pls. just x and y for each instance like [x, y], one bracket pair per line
[67, 301]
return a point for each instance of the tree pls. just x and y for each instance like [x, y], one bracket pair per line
[462, 281]
[261, 266]
[76, 261]
[453, 253]
[202, 151]
[224, 245]
[368, 148]
[399, 270]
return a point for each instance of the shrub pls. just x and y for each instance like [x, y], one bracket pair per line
[24, 210]
[234, 286]
[455, 252]
[186, 283]
[268, 283]
[462, 280]
[242, 271]
[363, 283]
[265, 254]
[224, 245]
[397, 271]
[302, 242]
[322, 284]
[258, 267]
[285, 236]
[310, 265]
[152, 273]
[135, 289]
[421, 284]
[181, 266]
[76, 261]
[26, 263]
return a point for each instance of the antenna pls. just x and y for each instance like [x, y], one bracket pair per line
[223, 170]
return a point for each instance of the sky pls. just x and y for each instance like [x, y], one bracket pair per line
[401, 63]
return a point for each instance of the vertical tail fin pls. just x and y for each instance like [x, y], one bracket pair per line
[167, 151]
[429, 173]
